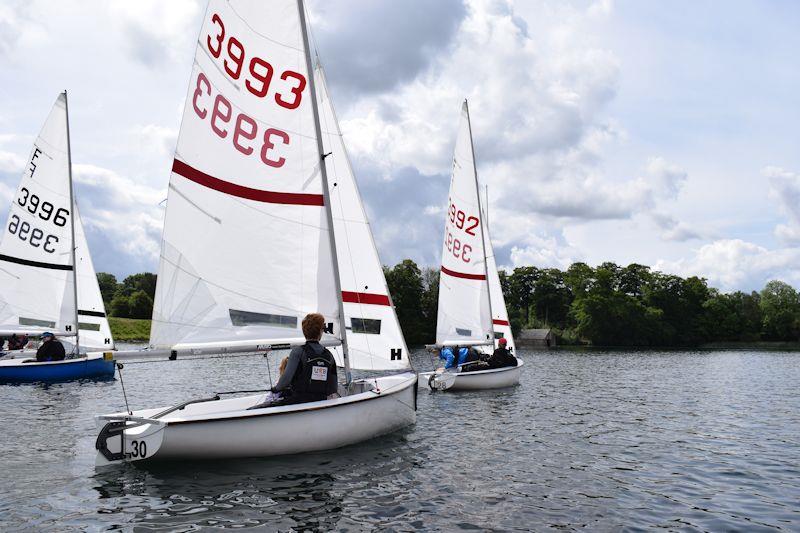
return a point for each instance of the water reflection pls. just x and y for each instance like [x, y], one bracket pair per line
[302, 493]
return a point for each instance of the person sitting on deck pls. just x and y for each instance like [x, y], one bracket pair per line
[310, 374]
[51, 349]
[502, 357]
[17, 343]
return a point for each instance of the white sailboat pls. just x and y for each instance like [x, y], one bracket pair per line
[47, 280]
[264, 224]
[466, 314]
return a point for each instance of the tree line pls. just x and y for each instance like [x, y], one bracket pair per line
[132, 298]
[609, 305]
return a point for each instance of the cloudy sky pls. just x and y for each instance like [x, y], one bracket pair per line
[662, 133]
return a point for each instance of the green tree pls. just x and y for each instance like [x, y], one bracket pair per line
[108, 286]
[521, 283]
[120, 306]
[140, 305]
[406, 286]
[144, 281]
[780, 308]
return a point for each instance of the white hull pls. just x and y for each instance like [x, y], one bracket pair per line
[497, 378]
[224, 429]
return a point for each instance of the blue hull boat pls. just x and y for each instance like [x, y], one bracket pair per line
[94, 366]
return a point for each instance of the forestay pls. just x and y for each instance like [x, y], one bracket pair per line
[246, 251]
[374, 338]
[464, 308]
[500, 323]
[36, 279]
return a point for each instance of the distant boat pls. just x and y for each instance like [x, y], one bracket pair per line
[47, 280]
[263, 225]
[469, 285]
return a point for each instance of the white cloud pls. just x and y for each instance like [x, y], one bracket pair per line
[784, 189]
[732, 264]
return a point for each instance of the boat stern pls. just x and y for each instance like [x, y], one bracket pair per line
[126, 438]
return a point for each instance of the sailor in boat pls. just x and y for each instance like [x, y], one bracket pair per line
[51, 349]
[502, 357]
[455, 356]
[310, 374]
[17, 342]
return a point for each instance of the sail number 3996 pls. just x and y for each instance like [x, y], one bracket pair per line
[40, 209]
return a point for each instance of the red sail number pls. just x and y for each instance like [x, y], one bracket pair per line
[244, 127]
[259, 71]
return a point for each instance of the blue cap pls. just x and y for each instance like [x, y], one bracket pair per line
[47, 334]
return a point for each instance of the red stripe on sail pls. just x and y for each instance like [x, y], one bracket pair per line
[462, 274]
[270, 197]
[365, 298]
[497, 322]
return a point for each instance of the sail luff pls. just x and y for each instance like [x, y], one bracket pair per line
[325, 189]
[484, 227]
[72, 231]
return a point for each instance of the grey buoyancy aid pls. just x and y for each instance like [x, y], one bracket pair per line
[316, 375]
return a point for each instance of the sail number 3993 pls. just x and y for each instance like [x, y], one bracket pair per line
[258, 79]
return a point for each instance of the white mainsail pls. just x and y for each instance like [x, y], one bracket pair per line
[37, 291]
[374, 338]
[246, 252]
[36, 280]
[464, 315]
[500, 323]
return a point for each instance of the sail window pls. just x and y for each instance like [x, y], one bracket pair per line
[249, 318]
[88, 327]
[464, 332]
[36, 322]
[498, 335]
[366, 325]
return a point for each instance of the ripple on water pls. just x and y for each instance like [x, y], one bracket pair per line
[627, 440]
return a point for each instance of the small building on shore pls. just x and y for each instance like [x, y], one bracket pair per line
[535, 339]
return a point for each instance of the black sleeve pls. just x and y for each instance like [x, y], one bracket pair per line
[333, 378]
[59, 351]
[291, 367]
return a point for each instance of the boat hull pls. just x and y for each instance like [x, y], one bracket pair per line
[226, 429]
[497, 378]
[93, 366]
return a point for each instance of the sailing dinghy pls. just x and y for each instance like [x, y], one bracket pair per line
[263, 225]
[47, 280]
[466, 317]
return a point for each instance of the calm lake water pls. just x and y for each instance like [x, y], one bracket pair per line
[591, 440]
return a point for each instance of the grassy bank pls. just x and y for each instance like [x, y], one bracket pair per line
[129, 329]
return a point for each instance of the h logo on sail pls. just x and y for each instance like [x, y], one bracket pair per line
[329, 328]
[397, 354]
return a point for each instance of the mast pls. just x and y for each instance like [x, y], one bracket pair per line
[483, 233]
[72, 228]
[325, 192]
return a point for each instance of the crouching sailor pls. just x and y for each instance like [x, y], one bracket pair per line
[455, 356]
[310, 374]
